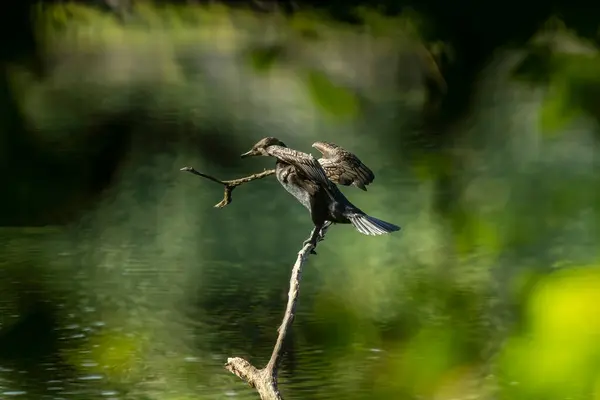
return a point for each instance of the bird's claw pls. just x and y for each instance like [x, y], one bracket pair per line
[308, 241]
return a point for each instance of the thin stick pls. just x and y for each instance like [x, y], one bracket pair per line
[265, 380]
[231, 184]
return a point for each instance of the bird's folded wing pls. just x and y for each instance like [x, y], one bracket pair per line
[305, 163]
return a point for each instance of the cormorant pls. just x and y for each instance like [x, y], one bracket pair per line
[312, 183]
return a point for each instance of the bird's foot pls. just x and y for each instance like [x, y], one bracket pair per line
[322, 231]
[321, 236]
[314, 244]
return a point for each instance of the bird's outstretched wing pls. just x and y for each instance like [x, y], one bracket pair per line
[305, 163]
[343, 167]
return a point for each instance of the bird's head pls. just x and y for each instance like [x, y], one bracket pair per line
[259, 149]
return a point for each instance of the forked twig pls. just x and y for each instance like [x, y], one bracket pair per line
[230, 184]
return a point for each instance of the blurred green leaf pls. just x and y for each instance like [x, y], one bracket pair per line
[581, 73]
[475, 232]
[556, 355]
[263, 58]
[568, 64]
[332, 98]
[306, 25]
[557, 110]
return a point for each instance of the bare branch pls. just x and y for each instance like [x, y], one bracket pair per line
[265, 380]
[231, 184]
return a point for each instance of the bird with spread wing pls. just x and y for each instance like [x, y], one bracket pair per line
[313, 183]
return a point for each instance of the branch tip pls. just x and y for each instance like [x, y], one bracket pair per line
[230, 184]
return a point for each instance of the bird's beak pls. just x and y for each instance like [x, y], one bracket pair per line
[249, 153]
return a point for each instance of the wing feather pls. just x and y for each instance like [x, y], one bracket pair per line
[303, 162]
[343, 167]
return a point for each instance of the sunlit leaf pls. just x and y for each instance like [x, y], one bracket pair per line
[597, 388]
[572, 297]
[556, 354]
[330, 97]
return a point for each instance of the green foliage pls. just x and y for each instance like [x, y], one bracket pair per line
[409, 23]
[568, 65]
[334, 99]
[314, 24]
[557, 109]
[556, 354]
[574, 89]
[56, 18]
[173, 16]
[307, 25]
[581, 71]
[263, 58]
[475, 232]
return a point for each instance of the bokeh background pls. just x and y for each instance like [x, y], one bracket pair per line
[119, 280]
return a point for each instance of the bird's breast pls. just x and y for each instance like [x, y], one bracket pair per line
[289, 179]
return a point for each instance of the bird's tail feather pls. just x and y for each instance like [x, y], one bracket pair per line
[368, 225]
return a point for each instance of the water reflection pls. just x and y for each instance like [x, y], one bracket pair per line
[235, 314]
